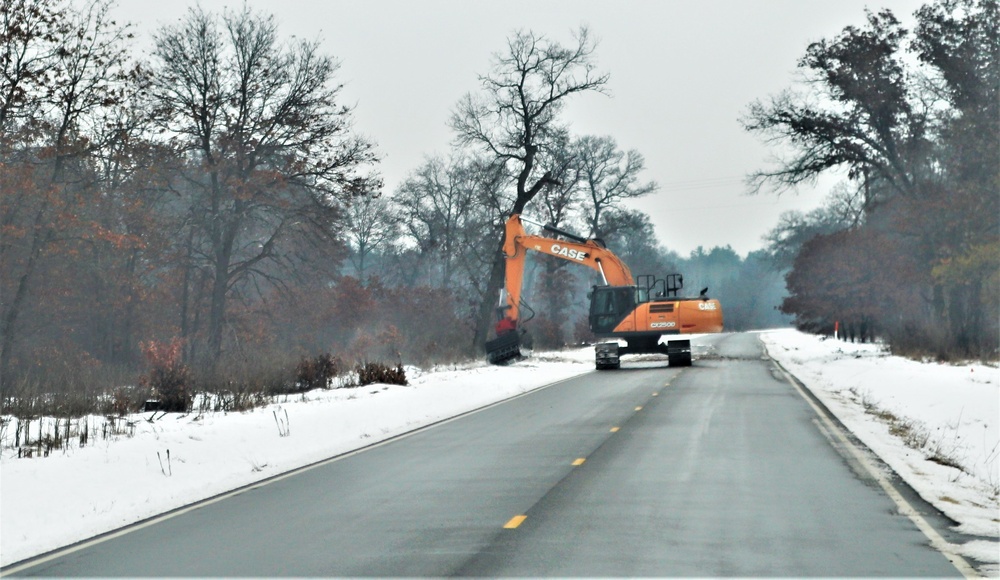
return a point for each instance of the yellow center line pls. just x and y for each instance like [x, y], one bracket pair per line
[514, 522]
[615, 429]
[579, 461]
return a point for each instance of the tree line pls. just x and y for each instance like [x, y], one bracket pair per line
[212, 199]
[170, 197]
[908, 249]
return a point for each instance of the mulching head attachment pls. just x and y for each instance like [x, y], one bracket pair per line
[504, 348]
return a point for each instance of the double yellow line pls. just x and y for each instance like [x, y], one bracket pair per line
[516, 521]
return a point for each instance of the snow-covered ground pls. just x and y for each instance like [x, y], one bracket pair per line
[46, 503]
[175, 460]
[915, 416]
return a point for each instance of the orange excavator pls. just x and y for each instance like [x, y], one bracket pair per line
[639, 312]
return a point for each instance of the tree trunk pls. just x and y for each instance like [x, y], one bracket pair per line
[220, 290]
[217, 316]
[185, 298]
[487, 308]
[8, 330]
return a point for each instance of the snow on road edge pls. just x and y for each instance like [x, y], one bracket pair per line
[953, 410]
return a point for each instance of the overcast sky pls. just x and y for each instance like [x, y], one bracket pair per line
[682, 74]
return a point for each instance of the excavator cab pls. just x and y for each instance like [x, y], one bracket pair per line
[658, 288]
[609, 305]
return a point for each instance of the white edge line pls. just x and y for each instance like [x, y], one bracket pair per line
[937, 542]
[111, 535]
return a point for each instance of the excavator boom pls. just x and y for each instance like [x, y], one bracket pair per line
[590, 253]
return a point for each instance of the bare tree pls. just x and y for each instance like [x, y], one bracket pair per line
[450, 210]
[516, 116]
[30, 39]
[608, 176]
[372, 226]
[559, 201]
[63, 70]
[435, 200]
[861, 115]
[269, 149]
[561, 197]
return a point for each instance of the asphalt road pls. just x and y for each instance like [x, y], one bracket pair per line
[720, 469]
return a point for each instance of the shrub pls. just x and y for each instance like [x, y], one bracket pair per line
[122, 401]
[582, 333]
[373, 372]
[169, 379]
[548, 334]
[316, 373]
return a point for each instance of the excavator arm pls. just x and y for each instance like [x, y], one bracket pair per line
[586, 252]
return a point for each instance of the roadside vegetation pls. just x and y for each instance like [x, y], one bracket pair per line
[939, 448]
[35, 422]
[908, 250]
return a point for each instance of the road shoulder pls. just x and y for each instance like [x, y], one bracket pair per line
[842, 382]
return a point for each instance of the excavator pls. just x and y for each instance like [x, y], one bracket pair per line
[638, 312]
